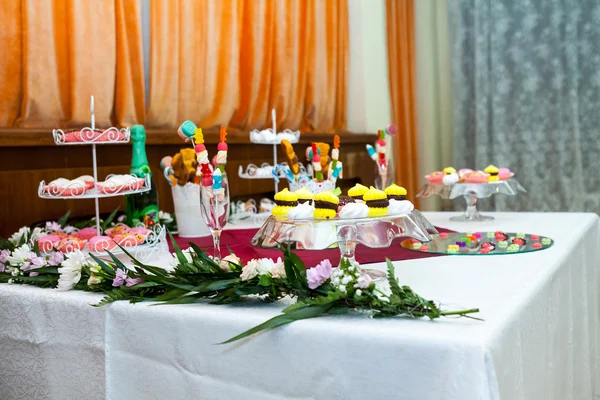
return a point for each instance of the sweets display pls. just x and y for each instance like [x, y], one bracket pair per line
[113, 184]
[87, 238]
[486, 243]
[87, 135]
[321, 170]
[361, 202]
[379, 153]
[449, 176]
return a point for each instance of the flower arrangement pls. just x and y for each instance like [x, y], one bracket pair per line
[196, 277]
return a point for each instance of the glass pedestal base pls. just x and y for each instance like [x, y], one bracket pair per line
[471, 215]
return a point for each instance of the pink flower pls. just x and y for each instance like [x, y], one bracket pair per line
[129, 282]
[120, 278]
[33, 274]
[53, 226]
[4, 255]
[318, 275]
[69, 229]
[56, 258]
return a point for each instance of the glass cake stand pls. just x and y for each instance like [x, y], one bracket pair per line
[471, 192]
[345, 233]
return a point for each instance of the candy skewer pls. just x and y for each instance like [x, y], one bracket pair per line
[274, 118]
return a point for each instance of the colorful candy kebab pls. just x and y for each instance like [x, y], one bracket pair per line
[335, 156]
[378, 154]
[204, 171]
[316, 162]
[222, 149]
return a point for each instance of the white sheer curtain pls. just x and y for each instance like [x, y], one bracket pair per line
[434, 98]
[526, 95]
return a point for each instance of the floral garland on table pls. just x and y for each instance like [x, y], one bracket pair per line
[196, 277]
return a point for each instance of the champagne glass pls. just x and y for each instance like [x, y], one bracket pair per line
[214, 204]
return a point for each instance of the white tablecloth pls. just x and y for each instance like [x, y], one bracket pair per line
[539, 339]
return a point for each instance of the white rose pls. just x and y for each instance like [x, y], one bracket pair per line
[93, 281]
[250, 270]
[232, 258]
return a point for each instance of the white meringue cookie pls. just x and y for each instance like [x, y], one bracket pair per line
[450, 179]
[398, 207]
[354, 210]
[302, 211]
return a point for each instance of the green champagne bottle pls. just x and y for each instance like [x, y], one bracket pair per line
[141, 208]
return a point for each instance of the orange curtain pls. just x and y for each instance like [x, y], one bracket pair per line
[402, 60]
[231, 61]
[57, 53]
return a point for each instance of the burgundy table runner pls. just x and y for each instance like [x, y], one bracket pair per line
[239, 242]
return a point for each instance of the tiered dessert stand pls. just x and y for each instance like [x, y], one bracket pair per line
[471, 192]
[91, 136]
[256, 138]
[376, 232]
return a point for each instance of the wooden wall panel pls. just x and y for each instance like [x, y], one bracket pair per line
[22, 167]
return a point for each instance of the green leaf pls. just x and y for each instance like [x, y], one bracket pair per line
[62, 221]
[171, 294]
[47, 270]
[303, 313]
[265, 280]
[205, 261]
[391, 275]
[36, 248]
[117, 262]
[110, 219]
[108, 270]
[180, 257]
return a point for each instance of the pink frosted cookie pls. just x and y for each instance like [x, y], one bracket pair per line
[435, 177]
[476, 177]
[504, 174]
[101, 243]
[70, 243]
[87, 180]
[462, 172]
[97, 135]
[65, 187]
[46, 243]
[137, 184]
[85, 233]
[117, 230]
[126, 240]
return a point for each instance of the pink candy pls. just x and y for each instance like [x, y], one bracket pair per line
[537, 245]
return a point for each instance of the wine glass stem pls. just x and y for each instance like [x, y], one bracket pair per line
[216, 234]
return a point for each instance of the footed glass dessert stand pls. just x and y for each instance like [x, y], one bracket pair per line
[471, 192]
[344, 233]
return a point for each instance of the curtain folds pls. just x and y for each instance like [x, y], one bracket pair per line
[434, 81]
[58, 53]
[400, 16]
[526, 90]
[231, 62]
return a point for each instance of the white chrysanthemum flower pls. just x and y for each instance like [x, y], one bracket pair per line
[20, 235]
[70, 271]
[279, 270]
[37, 233]
[19, 256]
[250, 270]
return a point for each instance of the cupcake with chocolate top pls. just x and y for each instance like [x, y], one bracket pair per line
[326, 205]
[358, 191]
[285, 201]
[493, 171]
[304, 195]
[395, 192]
[377, 202]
